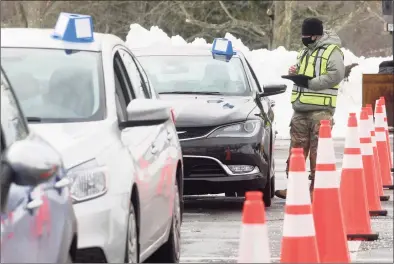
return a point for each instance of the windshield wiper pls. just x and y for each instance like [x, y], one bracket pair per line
[179, 92]
[34, 119]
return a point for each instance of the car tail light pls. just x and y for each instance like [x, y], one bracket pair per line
[172, 115]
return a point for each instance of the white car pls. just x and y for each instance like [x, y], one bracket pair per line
[87, 95]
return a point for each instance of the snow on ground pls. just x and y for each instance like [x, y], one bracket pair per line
[269, 66]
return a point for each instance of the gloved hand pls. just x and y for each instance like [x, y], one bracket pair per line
[348, 69]
[293, 70]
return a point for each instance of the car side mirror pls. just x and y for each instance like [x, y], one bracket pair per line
[273, 89]
[32, 161]
[146, 112]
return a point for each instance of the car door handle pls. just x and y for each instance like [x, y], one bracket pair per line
[272, 103]
[153, 149]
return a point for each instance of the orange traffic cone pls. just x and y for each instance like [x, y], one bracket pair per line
[371, 184]
[299, 241]
[375, 155]
[353, 191]
[327, 207]
[386, 127]
[383, 147]
[254, 246]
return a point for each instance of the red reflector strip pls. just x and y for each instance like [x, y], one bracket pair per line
[298, 209]
[326, 167]
[365, 140]
[352, 151]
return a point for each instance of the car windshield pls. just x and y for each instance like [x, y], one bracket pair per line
[55, 85]
[196, 74]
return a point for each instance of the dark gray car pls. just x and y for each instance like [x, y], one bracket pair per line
[37, 218]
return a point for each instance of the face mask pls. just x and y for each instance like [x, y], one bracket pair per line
[307, 41]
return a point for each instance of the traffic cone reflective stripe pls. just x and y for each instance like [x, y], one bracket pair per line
[379, 182]
[383, 148]
[327, 207]
[352, 189]
[299, 240]
[371, 178]
[254, 246]
[386, 127]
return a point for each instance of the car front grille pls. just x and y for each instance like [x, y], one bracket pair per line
[193, 132]
[202, 167]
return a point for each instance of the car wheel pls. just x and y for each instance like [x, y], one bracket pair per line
[170, 252]
[132, 254]
[272, 187]
[267, 194]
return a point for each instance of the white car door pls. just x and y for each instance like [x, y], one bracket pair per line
[161, 165]
[141, 143]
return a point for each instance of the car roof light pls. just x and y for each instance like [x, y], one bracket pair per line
[74, 28]
[222, 49]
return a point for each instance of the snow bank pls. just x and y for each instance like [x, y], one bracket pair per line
[269, 66]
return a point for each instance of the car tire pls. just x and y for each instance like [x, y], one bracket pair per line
[170, 251]
[267, 194]
[272, 187]
[132, 242]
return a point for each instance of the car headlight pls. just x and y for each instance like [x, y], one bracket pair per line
[246, 129]
[89, 181]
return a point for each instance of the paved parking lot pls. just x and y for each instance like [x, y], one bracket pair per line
[211, 227]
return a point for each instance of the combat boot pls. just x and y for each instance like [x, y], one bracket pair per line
[281, 193]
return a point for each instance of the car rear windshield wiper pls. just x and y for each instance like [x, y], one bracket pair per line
[34, 119]
[179, 92]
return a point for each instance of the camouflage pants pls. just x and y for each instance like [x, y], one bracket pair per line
[304, 133]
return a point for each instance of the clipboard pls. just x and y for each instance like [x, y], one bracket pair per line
[298, 79]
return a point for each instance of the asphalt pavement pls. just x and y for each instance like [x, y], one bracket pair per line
[211, 227]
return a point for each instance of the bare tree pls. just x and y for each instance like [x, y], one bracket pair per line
[260, 23]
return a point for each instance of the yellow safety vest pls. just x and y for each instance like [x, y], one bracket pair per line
[315, 65]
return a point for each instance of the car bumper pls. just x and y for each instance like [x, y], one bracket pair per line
[102, 228]
[207, 165]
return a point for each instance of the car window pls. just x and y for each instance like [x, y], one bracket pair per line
[123, 90]
[12, 121]
[196, 74]
[255, 81]
[135, 76]
[124, 79]
[56, 85]
[144, 77]
[120, 100]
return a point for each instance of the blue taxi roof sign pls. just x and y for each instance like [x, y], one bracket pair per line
[74, 28]
[222, 49]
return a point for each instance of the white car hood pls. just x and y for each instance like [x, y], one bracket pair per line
[76, 142]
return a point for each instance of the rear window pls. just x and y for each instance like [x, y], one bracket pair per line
[55, 85]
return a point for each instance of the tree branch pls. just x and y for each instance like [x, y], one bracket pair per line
[22, 14]
[228, 25]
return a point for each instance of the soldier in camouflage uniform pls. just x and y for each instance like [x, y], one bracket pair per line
[314, 100]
